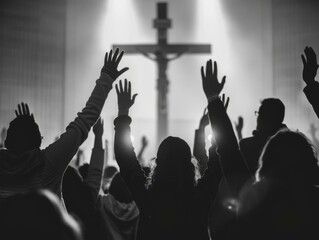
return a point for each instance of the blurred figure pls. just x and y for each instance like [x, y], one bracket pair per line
[172, 203]
[36, 215]
[270, 117]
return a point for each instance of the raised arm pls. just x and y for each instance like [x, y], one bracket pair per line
[61, 151]
[232, 163]
[95, 172]
[130, 168]
[310, 67]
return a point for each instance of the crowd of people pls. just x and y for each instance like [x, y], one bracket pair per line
[260, 187]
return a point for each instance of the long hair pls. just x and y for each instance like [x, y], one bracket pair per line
[289, 155]
[173, 166]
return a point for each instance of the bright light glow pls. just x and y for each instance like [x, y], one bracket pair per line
[132, 138]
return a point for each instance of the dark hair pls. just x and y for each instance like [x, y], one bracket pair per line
[271, 111]
[173, 164]
[288, 154]
[23, 134]
[83, 170]
[110, 171]
[36, 215]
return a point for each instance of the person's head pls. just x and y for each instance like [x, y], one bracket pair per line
[271, 114]
[83, 170]
[36, 215]
[109, 173]
[119, 189]
[288, 155]
[23, 134]
[173, 165]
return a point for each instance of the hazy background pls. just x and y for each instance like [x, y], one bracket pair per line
[51, 53]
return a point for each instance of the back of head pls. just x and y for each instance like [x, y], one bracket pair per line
[36, 215]
[174, 164]
[290, 156]
[23, 134]
[271, 114]
[83, 170]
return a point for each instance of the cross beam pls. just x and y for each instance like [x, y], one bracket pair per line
[162, 53]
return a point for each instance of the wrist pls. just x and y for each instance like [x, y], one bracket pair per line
[123, 112]
[212, 98]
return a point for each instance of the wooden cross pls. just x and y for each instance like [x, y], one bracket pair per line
[162, 53]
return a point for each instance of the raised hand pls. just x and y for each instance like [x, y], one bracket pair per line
[225, 102]
[211, 85]
[98, 128]
[23, 111]
[124, 97]
[204, 121]
[310, 65]
[111, 63]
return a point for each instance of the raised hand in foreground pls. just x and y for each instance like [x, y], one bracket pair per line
[211, 85]
[23, 111]
[111, 63]
[125, 99]
[310, 65]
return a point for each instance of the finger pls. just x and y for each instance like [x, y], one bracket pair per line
[223, 81]
[121, 86]
[215, 69]
[17, 114]
[223, 98]
[117, 89]
[125, 85]
[115, 55]
[129, 88]
[23, 109]
[209, 68]
[105, 58]
[110, 56]
[32, 116]
[27, 109]
[134, 96]
[123, 70]
[202, 72]
[303, 59]
[227, 102]
[19, 109]
[120, 57]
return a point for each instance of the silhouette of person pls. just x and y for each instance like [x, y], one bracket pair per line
[37, 215]
[24, 166]
[172, 206]
[270, 117]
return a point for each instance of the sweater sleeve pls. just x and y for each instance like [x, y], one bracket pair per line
[95, 171]
[130, 168]
[60, 152]
[312, 93]
[232, 162]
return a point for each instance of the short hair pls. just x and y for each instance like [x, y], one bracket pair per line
[272, 110]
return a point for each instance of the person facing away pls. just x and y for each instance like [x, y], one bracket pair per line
[174, 205]
[283, 201]
[24, 166]
[270, 117]
[37, 215]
